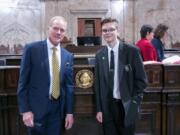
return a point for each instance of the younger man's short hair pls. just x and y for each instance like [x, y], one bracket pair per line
[145, 29]
[108, 20]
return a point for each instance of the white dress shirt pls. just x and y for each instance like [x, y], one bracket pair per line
[116, 92]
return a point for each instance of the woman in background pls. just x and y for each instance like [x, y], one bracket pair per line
[160, 34]
[147, 50]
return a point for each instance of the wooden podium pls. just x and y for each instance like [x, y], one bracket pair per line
[85, 122]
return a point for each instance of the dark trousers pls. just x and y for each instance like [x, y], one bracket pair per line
[50, 124]
[114, 124]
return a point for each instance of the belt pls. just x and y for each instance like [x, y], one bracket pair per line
[53, 99]
[116, 100]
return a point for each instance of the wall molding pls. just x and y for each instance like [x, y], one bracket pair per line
[89, 11]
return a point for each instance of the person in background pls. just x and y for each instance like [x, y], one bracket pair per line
[45, 89]
[147, 50]
[160, 34]
[120, 80]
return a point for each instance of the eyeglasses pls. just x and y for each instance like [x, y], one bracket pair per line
[108, 30]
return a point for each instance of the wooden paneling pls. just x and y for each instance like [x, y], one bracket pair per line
[84, 49]
[155, 77]
[4, 49]
[150, 116]
[171, 78]
[1, 80]
[10, 123]
[9, 79]
[84, 96]
[81, 26]
[98, 27]
[171, 111]
[160, 108]
[171, 100]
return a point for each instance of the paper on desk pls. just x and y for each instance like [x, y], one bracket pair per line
[175, 59]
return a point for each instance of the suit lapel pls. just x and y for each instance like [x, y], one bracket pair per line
[105, 63]
[63, 66]
[46, 58]
[121, 60]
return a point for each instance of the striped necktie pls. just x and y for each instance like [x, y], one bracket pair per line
[55, 75]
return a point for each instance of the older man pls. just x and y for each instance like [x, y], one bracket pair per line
[45, 89]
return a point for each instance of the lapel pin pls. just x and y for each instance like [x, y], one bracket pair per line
[126, 68]
[67, 64]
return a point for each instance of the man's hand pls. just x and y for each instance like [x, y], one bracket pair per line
[99, 117]
[28, 119]
[69, 120]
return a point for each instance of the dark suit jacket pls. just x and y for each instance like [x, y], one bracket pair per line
[132, 81]
[34, 81]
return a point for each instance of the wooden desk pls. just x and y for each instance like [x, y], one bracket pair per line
[10, 123]
[171, 100]
[11, 59]
[159, 111]
[155, 77]
[151, 121]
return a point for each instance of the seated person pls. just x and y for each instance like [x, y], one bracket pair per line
[147, 50]
[158, 41]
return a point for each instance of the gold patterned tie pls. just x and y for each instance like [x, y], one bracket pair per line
[55, 75]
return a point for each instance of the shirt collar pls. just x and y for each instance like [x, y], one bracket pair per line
[50, 45]
[115, 48]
